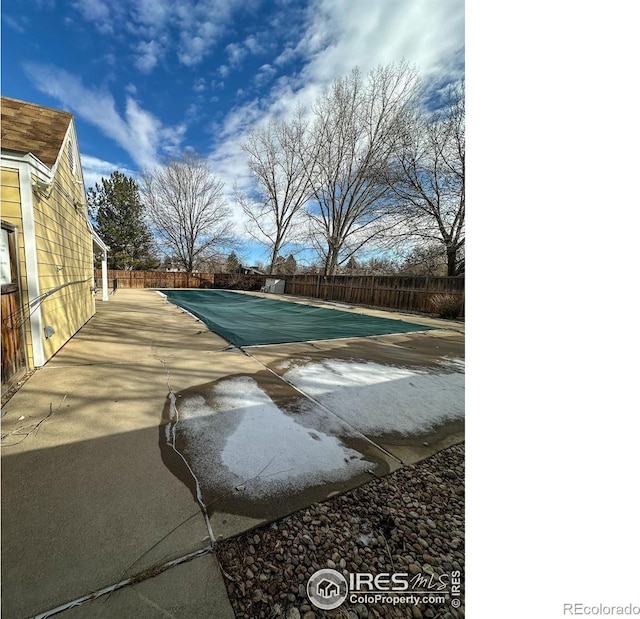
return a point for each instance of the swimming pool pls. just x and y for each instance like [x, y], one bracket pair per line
[246, 320]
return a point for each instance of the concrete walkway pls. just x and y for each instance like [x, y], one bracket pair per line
[89, 499]
[86, 499]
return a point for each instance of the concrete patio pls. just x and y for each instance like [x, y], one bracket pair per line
[96, 494]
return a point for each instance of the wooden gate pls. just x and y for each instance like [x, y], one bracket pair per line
[14, 361]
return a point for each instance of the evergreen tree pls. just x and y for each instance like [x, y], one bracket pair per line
[352, 266]
[116, 208]
[290, 265]
[233, 264]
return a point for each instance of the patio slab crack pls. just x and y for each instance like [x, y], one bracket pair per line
[149, 573]
[170, 435]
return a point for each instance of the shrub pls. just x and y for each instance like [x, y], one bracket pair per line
[446, 305]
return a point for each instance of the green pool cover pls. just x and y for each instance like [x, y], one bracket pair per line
[246, 320]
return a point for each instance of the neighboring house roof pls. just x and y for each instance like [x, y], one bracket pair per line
[30, 128]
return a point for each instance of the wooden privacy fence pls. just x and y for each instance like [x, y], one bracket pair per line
[168, 279]
[413, 294]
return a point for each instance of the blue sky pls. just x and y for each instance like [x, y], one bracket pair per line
[149, 78]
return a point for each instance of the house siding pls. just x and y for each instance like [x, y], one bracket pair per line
[64, 254]
[43, 198]
[12, 213]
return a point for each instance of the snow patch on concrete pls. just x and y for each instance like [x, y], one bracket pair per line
[247, 440]
[378, 399]
[454, 363]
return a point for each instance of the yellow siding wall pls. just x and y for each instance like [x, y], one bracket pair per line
[65, 254]
[12, 213]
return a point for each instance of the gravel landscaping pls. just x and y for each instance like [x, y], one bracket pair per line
[410, 521]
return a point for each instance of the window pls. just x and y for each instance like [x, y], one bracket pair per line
[6, 274]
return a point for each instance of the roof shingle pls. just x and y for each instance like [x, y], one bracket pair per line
[30, 128]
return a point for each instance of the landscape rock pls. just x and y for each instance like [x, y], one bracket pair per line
[410, 520]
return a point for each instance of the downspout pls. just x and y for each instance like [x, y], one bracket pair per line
[105, 282]
[31, 259]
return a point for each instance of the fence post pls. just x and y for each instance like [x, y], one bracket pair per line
[426, 299]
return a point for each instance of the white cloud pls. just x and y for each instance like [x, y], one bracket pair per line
[343, 34]
[148, 134]
[337, 36]
[253, 44]
[192, 53]
[139, 132]
[148, 54]
[93, 10]
[188, 28]
[201, 24]
[95, 169]
[193, 114]
[19, 24]
[102, 15]
[154, 13]
[264, 75]
[286, 56]
[236, 53]
[228, 162]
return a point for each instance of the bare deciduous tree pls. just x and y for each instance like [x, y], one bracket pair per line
[354, 135]
[186, 207]
[427, 258]
[428, 176]
[275, 161]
